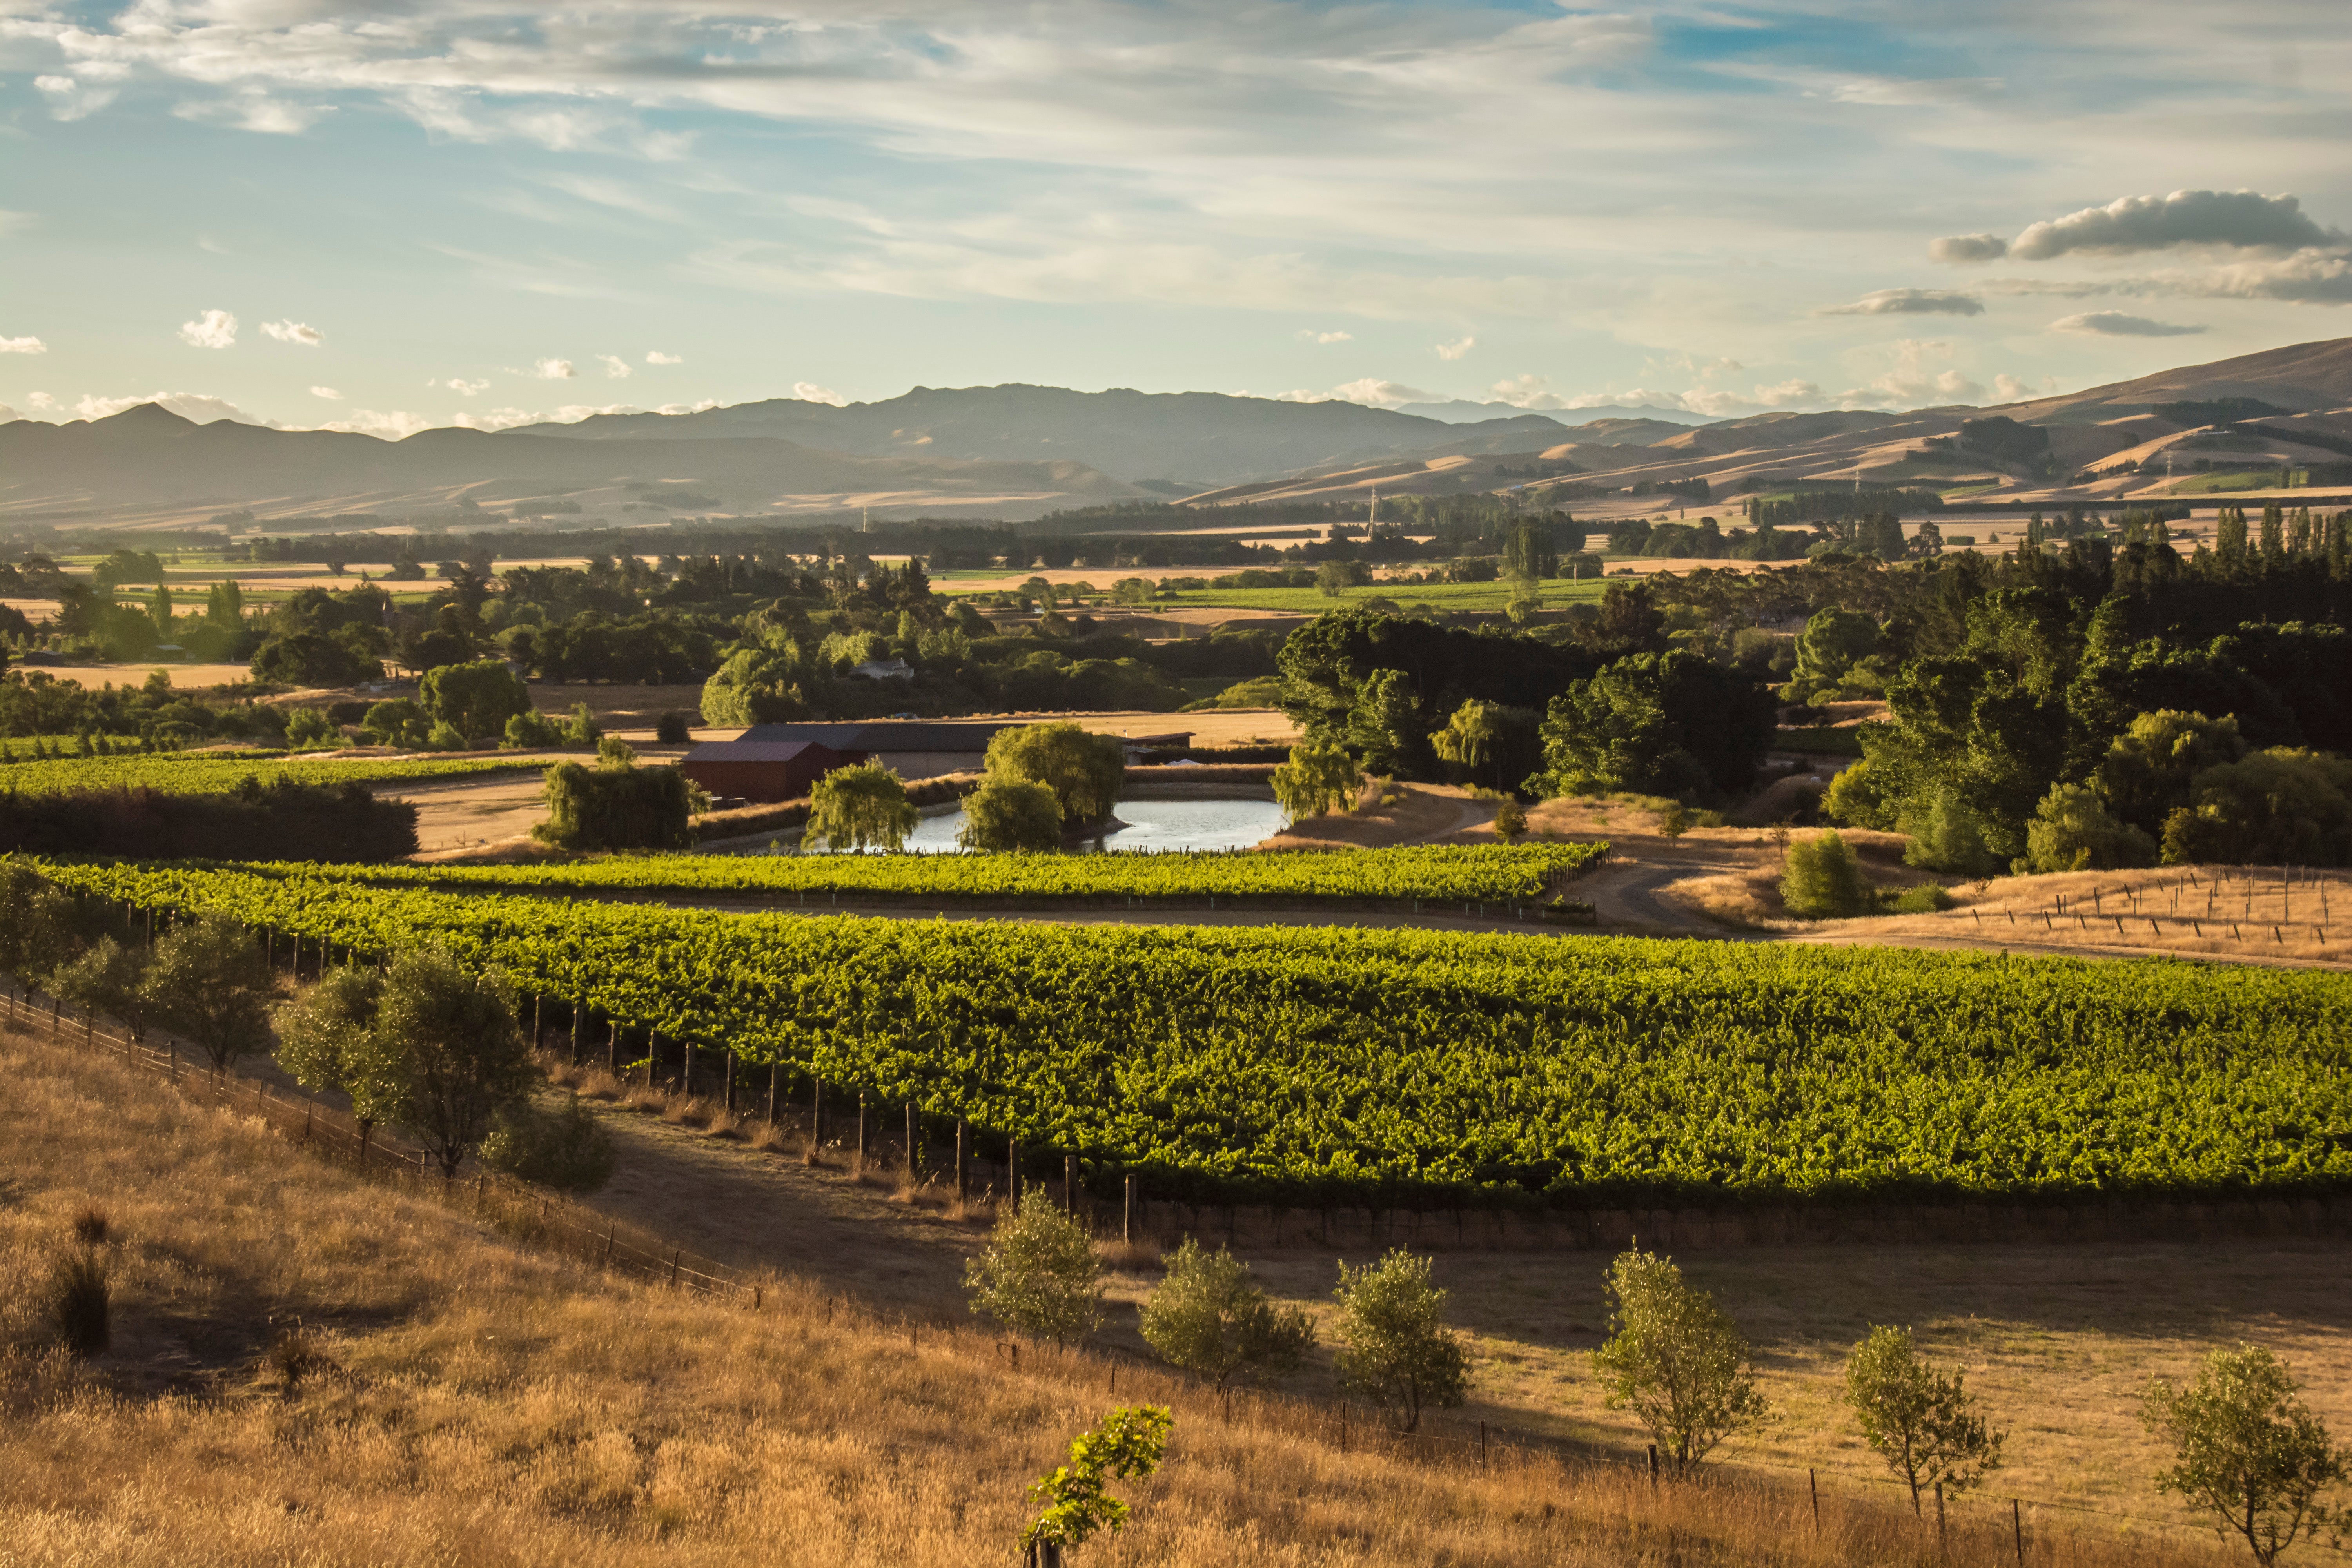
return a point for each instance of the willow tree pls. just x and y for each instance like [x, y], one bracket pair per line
[864, 806]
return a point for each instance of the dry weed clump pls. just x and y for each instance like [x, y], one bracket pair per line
[442, 1396]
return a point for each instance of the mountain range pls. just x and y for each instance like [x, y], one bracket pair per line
[1019, 452]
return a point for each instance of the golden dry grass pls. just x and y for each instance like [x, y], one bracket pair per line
[477, 1403]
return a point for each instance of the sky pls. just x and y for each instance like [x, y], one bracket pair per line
[437, 212]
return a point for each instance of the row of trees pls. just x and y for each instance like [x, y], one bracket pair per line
[1042, 783]
[2246, 1449]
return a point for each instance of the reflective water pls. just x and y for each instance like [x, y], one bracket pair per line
[1154, 824]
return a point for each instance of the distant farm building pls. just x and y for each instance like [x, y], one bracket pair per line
[780, 762]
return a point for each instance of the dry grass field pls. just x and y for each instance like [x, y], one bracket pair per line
[463, 1400]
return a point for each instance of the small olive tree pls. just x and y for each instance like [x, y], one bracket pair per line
[1207, 1317]
[1396, 1350]
[450, 1038]
[861, 807]
[109, 977]
[1128, 1446]
[1038, 1274]
[1314, 779]
[1004, 815]
[1675, 1360]
[328, 1040]
[209, 983]
[2248, 1451]
[1917, 1415]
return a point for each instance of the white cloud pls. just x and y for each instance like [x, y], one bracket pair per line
[202, 407]
[72, 99]
[464, 388]
[396, 426]
[213, 329]
[1912, 380]
[42, 400]
[810, 391]
[329, 393]
[23, 346]
[655, 356]
[252, 109]
[2130, 225]
[707, 404]
[615, 367]
[552, 369]
[1371, 392]
[1908, 302]
[2307, 277]
[1794, 392]
[294, 333]
[570, 413]
[1308, 334]
[1964, 249]
[2116, 324]
[1456, 349]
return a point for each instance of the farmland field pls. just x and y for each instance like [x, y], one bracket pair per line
[1315, 1066]
[189, 773]
[1452, 872]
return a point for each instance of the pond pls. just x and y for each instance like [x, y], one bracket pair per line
[1145, 824]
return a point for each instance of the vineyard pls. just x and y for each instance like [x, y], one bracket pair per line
[1309, 1067]
[1448, 873]
[197, 773]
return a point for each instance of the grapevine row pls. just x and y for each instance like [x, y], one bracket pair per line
[1318, 1066]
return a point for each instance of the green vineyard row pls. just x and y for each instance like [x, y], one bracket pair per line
[190, 773]
[1454, 873]
[1319, 1066]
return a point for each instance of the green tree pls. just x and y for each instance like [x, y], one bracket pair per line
[1083, 770]
[1006, 816]
[616, 808]
[402, 722]
[1510, 822]
[1129, 1445]
[1529, 553]
[1207, 1317]
[1472, 738]
[2282, 807]
[1336, 577]
[328, 1040]
[1823, 880]
[1917, 1415]
[1675, 1360]
[309, 728]
[474, 698]
[1396, 1349]
[2247, 1451]
[533, 731]
[1314, 779]
[2148, 769]
[451, 1039]
[1386, 728]
[1038, 1273]
[209, 983]
[860, 807]
[106, 977]
[2072, 831]
[37, 925]
[1671, 723]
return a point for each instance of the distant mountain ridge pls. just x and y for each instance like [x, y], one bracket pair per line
[1460, 411]
[1206, 437]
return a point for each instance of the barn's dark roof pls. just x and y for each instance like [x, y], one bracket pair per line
[753, 751]
[887, 735]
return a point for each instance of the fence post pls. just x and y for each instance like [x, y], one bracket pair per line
[1939, 1517]
[775, 1084]
[2017, 1527]
[685, 1064]
[1127, 1212]
[861, 1130]
[914, 1143]
[816, 1112]
[537, 1021]
[1012, 1170]
[962, 1164]
[1069, 1184]
[1654, 1467]
[1814, 1485]
[727, 1091]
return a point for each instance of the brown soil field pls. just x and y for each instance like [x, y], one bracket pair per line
[465, 1399]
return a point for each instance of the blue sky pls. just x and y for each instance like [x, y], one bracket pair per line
[442, 211]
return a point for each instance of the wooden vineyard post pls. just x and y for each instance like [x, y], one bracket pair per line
[1654, 1467]
[728, 1090]
[1814, 1485]
[1012, 1170]
[2016, 1529]
[914, 1143]
[537, 1021]
[775, 1086]
[1939, 1517]
[1127, 1214]
[817, 1113]
[685, 1066]
[861, 1130]
[962, 1162]
[1069, 1184]
[613, 1047]
[579, 1010]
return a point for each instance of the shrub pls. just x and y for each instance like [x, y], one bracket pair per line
[399, 723]
[2247, 1450]
[532, 730]
[612, 751]
[616, 808]
[673, 730]
[474, 699]
[863, 807]
[1038, 1273]
[1208, 1319]
[1396, 1350]
[1128, 1446]
[568, 1149]
[446, 737]
[582, 729]
[1926, 898]
[1823, 881]
[1675, 1360]
[2281, 806]
[1510, 822]
[1918, 1416]
[91, 1227]
[80, 1302]
[309, 728]
[1855, 799]
[1004, 815]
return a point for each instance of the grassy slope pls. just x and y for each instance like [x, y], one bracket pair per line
[490, 1407]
